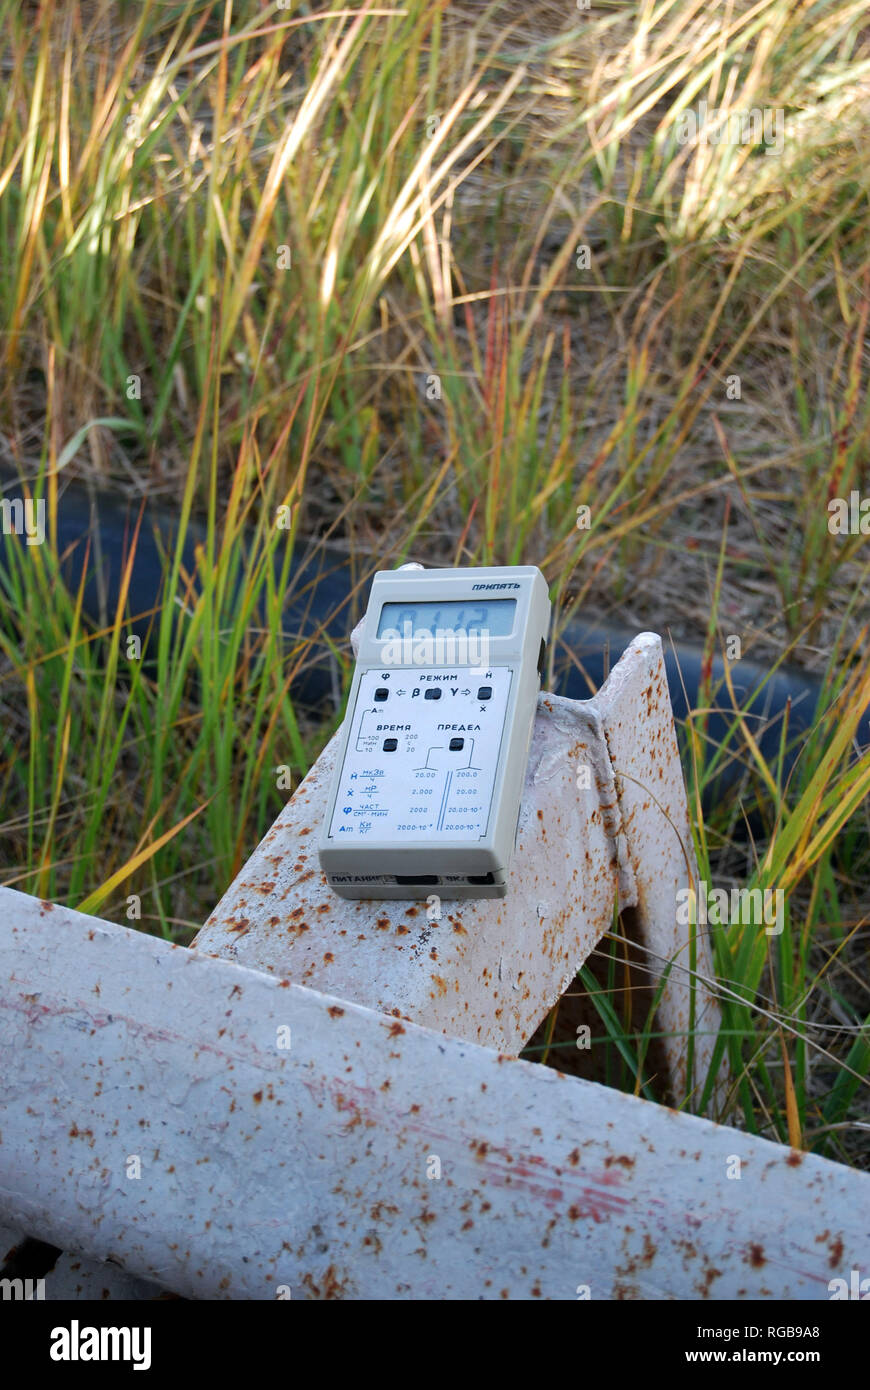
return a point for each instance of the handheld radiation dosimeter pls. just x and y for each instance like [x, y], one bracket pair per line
[432, 755]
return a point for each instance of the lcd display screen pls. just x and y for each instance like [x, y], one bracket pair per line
[494, 616]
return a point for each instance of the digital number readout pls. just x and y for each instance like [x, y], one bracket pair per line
[495, 617]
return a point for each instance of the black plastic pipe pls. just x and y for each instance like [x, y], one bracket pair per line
[321, 603]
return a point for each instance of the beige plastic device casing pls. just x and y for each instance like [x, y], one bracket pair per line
[366, 864]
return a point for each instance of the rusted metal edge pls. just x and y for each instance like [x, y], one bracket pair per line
[70, 1277]
[637, 725]
[154, 1114]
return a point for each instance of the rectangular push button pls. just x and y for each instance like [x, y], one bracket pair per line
[433, 694]
[381, 693]
[456, 745]
[485, 692]
[390, 745]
